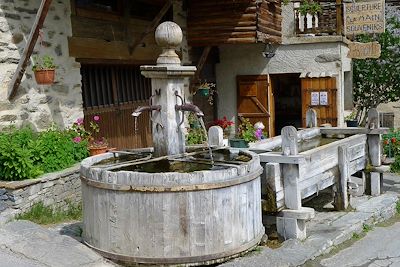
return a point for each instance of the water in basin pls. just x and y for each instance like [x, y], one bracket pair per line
[166, 165]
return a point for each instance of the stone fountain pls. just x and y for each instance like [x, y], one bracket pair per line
[169, 205]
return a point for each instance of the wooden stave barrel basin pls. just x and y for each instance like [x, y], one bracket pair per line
[192, 219]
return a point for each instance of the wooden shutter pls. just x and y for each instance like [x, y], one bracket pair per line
[254, 100]
[326, 86]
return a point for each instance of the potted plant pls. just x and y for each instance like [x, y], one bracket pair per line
[309, 7]
[245, 135]
[44, 69]
[96, 145]
[204, 88]
[351, 119]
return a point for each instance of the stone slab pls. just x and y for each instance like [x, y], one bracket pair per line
[31, 241]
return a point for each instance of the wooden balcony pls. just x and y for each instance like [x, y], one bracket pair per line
[327, 22]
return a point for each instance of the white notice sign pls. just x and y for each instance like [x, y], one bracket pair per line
[314, 98]
[323, 98]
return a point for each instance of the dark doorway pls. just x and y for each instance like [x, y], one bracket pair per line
[287, 95]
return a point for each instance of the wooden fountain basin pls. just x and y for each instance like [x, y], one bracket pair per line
[200, 217]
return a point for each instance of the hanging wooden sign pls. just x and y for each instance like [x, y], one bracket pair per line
[364, 50]
[364, 17]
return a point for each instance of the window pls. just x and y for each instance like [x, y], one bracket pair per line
[108, 85]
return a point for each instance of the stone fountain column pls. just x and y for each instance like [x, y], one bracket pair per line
[167, 82]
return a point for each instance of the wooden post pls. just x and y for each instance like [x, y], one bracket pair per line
[374, 152]
[26, 54]
[311, 118]
[342, 195]
[289, 141]
[292, 223]
[339, 17]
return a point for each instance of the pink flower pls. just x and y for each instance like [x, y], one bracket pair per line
[96, 118]
[77, 139]
[79, 121]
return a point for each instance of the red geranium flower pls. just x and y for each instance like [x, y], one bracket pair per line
[393, 140]
[386, 142]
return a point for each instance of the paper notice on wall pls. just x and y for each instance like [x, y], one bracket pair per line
[323, 98]
[314, 98]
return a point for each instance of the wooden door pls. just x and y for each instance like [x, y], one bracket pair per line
[320, 94]
[255, 100]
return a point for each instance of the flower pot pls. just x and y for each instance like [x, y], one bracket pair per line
[352, 123]
[93, 151]
[238, 143]
[203, 91]
[45, 76]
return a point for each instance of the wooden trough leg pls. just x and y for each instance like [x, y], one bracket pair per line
[291, 222]
[342, 196]
[374, 151]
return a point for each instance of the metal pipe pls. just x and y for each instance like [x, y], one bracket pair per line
[190, 107]
[140, 109]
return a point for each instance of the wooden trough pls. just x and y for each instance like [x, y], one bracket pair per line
[291, 175]
[201, 217]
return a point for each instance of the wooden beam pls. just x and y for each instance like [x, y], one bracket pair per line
[33, 36]
[152, 26]
[199, 67]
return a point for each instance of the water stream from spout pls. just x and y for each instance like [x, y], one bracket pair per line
[208, 145]
[135, 126]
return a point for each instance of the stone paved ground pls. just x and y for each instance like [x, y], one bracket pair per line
[329, 229]
[23, 243]
[379, 247]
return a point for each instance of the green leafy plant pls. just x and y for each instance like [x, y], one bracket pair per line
[195, 136]
[26, 154]
[309, 7]
[352, 116]
[91, 135]
[391, 143]
[43, 63]
[41, 214]
[246, 131]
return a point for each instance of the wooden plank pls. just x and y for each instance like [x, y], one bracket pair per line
[26, 54]
[289, 141]
[319, 182]
[291, 177]
[91, 48]
[342, 196]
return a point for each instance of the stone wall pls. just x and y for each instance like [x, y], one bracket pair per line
[38, 105]
[58, 190]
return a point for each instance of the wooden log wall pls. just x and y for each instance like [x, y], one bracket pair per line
[233, 22]
[269, 22]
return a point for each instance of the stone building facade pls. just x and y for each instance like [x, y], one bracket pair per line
[38, 105]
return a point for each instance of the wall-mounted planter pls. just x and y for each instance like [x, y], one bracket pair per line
[45, 76]
[203, 91]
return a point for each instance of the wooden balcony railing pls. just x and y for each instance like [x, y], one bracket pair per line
[327, 22]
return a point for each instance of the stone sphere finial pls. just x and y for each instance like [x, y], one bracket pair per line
[169, 36]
